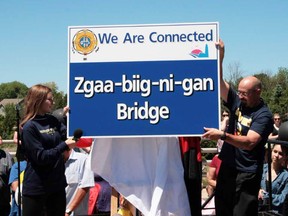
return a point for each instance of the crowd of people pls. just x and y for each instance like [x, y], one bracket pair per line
[55, 180]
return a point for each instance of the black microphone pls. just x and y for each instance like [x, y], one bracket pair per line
[77, 134]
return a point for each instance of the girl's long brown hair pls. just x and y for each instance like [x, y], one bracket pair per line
[36, 95]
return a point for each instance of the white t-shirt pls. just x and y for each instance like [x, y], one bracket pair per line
[78, 176]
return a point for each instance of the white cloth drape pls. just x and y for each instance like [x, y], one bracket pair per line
[147, 171]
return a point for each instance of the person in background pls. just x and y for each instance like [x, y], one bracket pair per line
[14, 181]
[44, 140]
[279, 178]
[274, 135]
[277, 122]
[212, 174]
[225, 120]
[100, 197]
[242, 153]
[6, 162]
[79, 179]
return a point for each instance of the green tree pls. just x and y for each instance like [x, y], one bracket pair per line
[9, 121]
[281, 77]
[265, 79]
[278, 91]
[12, 90]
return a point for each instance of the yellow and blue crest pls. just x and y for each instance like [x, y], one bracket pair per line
[85, 42]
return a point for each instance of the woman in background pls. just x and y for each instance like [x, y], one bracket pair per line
[279, 180]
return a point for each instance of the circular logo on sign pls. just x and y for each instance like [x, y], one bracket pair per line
[85, 42]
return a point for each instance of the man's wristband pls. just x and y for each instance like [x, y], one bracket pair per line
[223, 136]
[68, 211]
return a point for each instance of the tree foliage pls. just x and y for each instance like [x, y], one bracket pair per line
[9, 121]
[12, 90]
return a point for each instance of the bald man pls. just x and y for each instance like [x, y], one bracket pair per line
[242, 154]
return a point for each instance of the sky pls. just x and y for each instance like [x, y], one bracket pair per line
[34, 33]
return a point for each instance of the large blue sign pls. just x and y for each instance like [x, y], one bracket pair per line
[144, 80]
